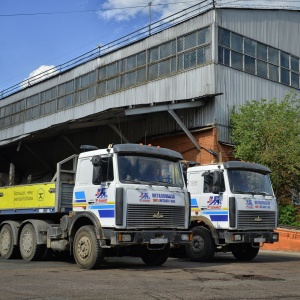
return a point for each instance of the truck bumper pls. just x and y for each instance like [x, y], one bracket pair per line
[251, 237]
[150, 237]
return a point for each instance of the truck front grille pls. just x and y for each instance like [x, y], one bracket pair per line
[256, 220]
[155, 216]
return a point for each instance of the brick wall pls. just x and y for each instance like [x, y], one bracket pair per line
[207, 138]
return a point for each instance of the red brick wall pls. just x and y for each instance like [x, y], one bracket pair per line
[207, 138]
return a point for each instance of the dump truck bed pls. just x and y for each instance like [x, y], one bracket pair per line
[47, 197]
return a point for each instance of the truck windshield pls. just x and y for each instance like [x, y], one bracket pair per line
[245, 181]
[149, 170]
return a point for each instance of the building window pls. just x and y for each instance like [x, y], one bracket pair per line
[253, 57]
[295, 64]
[224, 37]
[236, 42]
[66, 88]
[273, 73]
[262, 69]
[182, 53]
[273, 56]
[295, 80]
[237, 60]
[284, 60]
[285, 76]
[250, 47]
[249, 64]
[65, 102]
[48, 107]
[262, 51]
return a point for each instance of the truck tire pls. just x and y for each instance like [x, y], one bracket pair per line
[86, 248]
[202, 247]
[156, 257]
[7, 248]
[29, 248]
[244, 251]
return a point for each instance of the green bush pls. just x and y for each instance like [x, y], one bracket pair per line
[289, 215]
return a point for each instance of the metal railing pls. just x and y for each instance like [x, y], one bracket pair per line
[142, 33]
[128, 39]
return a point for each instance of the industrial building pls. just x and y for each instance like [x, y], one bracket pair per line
[173, 84]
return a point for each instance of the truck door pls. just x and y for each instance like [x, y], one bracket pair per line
[94, 190]
[195, 187]
[206, 190]
[103, 203]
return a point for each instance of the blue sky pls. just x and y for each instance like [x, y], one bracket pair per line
[36, 34]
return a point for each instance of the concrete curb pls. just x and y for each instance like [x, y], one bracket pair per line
[289, 240]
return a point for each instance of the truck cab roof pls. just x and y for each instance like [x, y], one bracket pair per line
[232, 165]
[135, 148]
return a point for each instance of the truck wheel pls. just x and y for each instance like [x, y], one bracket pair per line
[244, 251]
[7, 247]
[202, 247]
[156, 257]
[29, 248]
[86, 248]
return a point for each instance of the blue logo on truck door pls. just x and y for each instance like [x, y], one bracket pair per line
[214, 202]
[101, 196]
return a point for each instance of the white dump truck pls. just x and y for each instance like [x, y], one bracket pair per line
[233, 209]
[127, 199]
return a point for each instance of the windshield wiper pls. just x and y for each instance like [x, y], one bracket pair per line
[241, 192]
[132, 181]
[261, 193]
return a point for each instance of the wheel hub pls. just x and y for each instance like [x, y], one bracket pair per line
[5, 241]
[27, 242]
[197, 244]
[84, 248]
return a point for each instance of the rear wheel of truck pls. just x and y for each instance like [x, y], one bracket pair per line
[202, 247]
[86, 248]
[244, 251]
[29, 248]
[156, 257]
[7, 248]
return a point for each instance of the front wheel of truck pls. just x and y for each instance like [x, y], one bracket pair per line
[244, 251]
[155, 257]
[86, 248]
[202, 248]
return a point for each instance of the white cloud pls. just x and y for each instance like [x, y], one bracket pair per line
[39, 74]
[124, 10]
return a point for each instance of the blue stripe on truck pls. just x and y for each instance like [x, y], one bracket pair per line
[80, 197]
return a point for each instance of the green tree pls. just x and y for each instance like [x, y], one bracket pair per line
[268, 132]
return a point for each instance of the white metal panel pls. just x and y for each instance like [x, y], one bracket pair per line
[267, 26]
[188, 84]
[237, 87]
[278, 28]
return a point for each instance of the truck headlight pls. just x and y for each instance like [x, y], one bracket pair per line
[237, 237]
[124, 237]
[185, 237]
[275, 237]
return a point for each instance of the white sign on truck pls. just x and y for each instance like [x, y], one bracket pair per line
[127, 199]
[233, 208]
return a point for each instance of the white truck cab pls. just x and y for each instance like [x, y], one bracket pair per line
[233, 208]
[127, 199]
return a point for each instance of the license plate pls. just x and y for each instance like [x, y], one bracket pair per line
[158, 241]
[259, 240]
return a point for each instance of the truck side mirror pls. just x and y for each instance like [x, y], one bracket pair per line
[216, 182]
[96, 160]
[97, 169]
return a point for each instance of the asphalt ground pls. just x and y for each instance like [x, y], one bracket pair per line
[271, 275]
